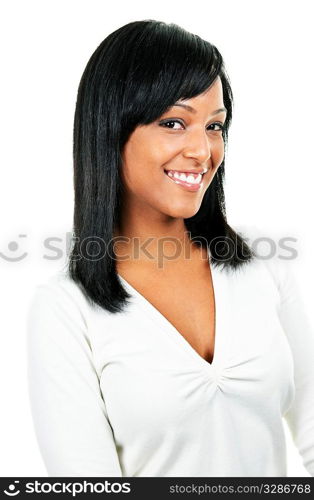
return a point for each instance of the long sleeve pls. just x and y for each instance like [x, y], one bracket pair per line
[69, 414]
[300, 333]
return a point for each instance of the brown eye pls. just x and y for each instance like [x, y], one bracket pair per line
[218, 124]
[171, 124]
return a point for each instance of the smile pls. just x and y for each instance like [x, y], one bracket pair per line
[188, 180]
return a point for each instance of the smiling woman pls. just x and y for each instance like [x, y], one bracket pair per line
[166, 348]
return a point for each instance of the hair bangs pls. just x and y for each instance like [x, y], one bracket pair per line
[168, 64]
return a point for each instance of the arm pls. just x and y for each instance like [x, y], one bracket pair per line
[300, 334]
[69, 414]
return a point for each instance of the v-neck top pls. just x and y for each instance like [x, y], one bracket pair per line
[126, 395]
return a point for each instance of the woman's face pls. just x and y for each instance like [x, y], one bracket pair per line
[164, 161]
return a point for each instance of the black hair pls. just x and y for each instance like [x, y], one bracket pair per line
[132, 78]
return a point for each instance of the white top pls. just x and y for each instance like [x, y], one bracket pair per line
[125, 394]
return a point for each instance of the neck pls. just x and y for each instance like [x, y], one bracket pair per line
[153, 241]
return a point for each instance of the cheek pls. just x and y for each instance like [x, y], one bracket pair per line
[158, 153]
[218, 152]
[145, 158]
[139, 168]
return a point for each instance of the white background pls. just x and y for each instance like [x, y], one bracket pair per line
[268, 51]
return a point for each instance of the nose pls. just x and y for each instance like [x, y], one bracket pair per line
[198, 146]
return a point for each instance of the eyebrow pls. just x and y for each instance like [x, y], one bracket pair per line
[189, 108]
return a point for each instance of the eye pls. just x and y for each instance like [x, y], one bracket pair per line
[216, 124]
[170, 124]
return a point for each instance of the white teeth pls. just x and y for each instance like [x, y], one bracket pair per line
[190, 178]
[194, 180]
[186, 178]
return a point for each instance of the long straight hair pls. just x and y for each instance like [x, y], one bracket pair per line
[131, 79]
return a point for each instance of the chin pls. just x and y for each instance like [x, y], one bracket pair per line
[184, 212]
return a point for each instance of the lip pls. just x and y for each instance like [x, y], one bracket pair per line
[195, 171]
[186, 185]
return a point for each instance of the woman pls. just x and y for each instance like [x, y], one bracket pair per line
[166, 348]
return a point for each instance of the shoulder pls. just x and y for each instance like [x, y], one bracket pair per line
[58, 297]
[272, 256]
